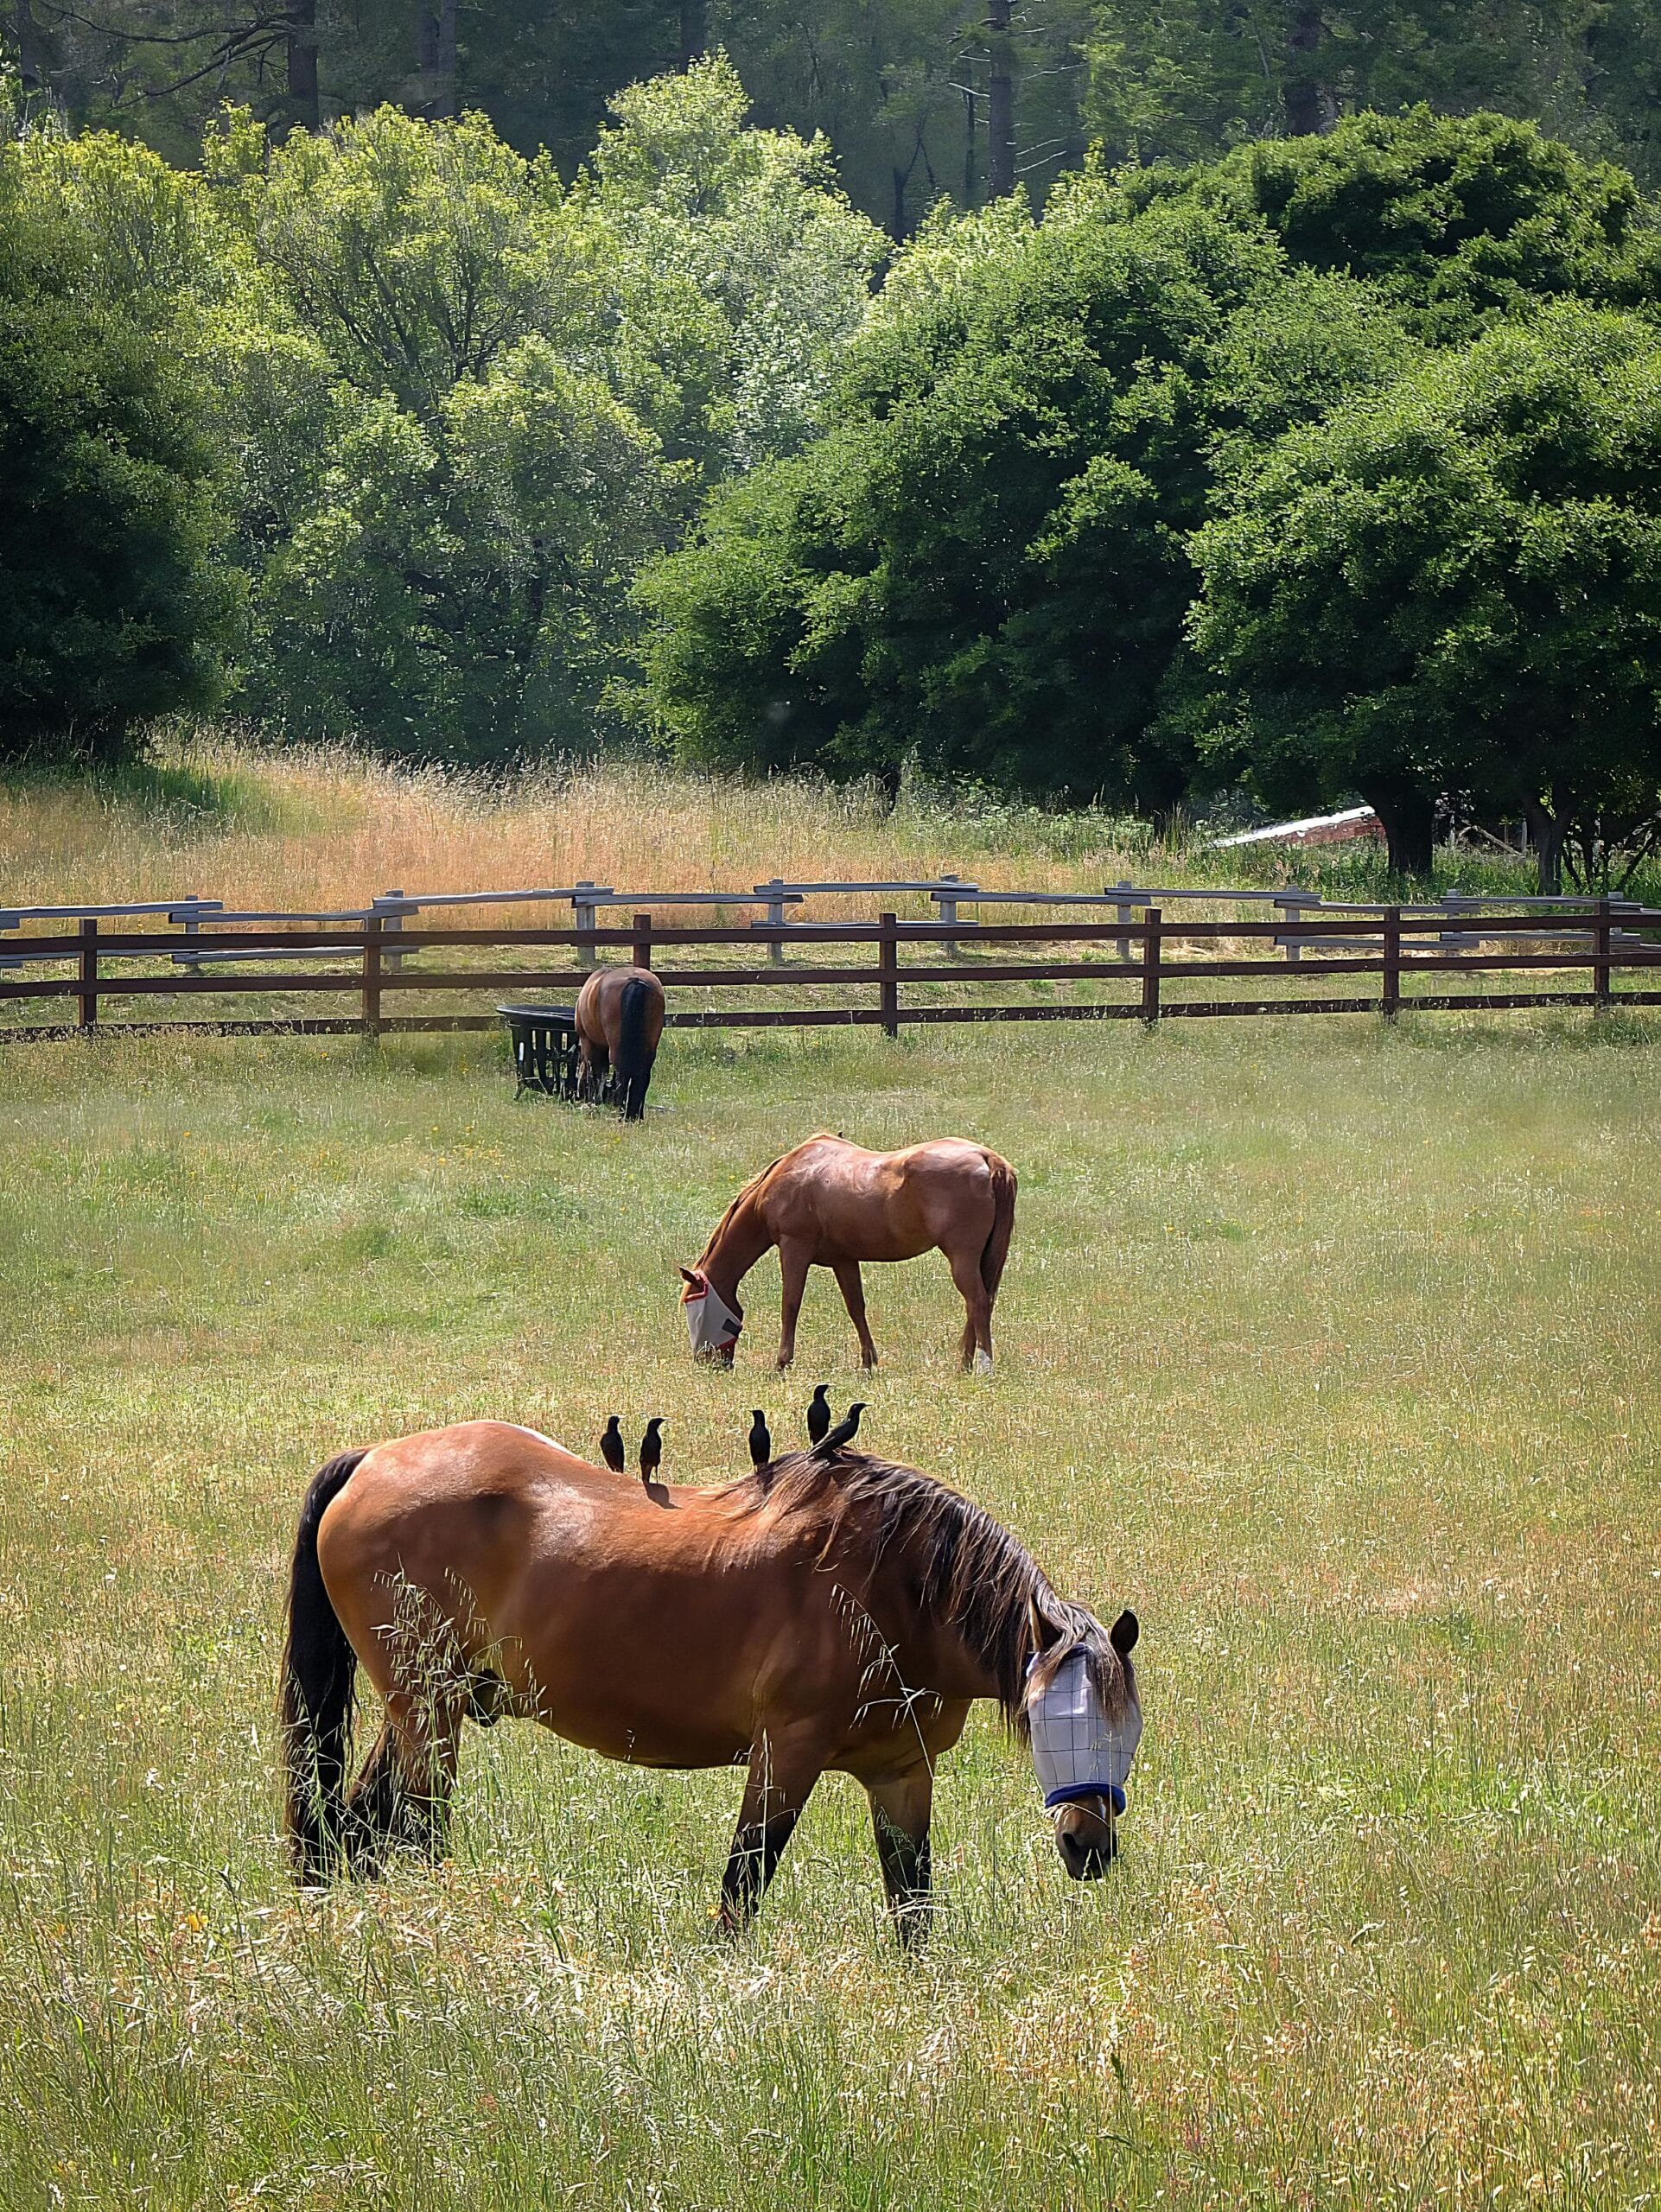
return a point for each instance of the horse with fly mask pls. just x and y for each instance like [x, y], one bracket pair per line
[837, 1613]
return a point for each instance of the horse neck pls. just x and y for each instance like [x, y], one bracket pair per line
[735, 1248]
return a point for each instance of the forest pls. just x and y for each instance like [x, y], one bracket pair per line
[1257, 447]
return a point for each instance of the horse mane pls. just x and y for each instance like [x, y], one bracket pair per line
[975, 1575]
[745, 1188]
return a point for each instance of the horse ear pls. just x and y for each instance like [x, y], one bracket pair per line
[1042, 1633]
[1123, 1633]
[686, 1276]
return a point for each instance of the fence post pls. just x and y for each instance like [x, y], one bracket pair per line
[952, 886]
[888, 969]
[193, 928]
[640, 950]
[583, 914]
[1150, 959]
[392, 923]
[86, 996]
[371, 930]
[1392, 1005]
[773, 892]
[1127, 914]
[1602, 981]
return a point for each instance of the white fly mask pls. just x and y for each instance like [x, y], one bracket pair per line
[1078, 1751]
[712, 1325]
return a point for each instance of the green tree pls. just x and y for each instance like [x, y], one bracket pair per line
[112, 609]
[1457, 220]
[985, 558]
[1456, 586]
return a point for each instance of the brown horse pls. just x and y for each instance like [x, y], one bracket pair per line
[823, 1613]
[831, 1203]
[619, 1015]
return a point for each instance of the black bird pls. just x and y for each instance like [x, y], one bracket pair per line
[611, 1446]
[818, 1414]
[761, 1440]
[651, 1450]
[845, 1432]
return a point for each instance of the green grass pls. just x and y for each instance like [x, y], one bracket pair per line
[1335, 1353]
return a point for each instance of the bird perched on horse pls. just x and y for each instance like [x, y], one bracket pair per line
[760, 1439]
[652, 1449]
[611, 1446]
[708, 1628]
[843, 1434]
[818, 1414]
[619, 1020]
[830, 1204]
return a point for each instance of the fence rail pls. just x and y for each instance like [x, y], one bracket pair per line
[374, 962]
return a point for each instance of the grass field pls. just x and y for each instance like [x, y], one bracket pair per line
[1335, 1354]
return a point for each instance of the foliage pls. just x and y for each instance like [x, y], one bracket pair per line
[984, 561]
[1457, 585]
[1456, 220]
[112, 610]
[456, 402]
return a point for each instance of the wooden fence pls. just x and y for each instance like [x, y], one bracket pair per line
[1148, 970]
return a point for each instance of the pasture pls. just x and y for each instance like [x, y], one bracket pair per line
[1335, 1355]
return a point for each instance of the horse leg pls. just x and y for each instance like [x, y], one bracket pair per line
[977, 1328]
[853, 1297]
[899, 1818]
[793, 1268]
[782, 1772]
[400, 1802]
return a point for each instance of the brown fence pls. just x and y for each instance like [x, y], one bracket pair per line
[1146, 970]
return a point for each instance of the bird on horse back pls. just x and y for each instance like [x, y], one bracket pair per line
[837, 1613]
[619, 1018]
[830, 1204]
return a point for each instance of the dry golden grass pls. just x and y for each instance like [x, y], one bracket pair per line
[310, 828]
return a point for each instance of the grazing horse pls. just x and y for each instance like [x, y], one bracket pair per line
[822, 1614]
[831, 1203]
[620, 1013]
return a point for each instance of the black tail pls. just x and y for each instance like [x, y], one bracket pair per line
[996, 1249]
[632, 1059]
[318, 1669]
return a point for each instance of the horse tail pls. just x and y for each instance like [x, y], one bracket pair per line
[319, 1670]
[996, 1248]
[633, 1059]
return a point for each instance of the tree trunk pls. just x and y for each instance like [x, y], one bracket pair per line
[969, 177]
[437, 34]
[1310, 106]
[1409, 820]
[302, 63]
[1001, 103]
[1548, 833]
[694, 31]
[31, 68]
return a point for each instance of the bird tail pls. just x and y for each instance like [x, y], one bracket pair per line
[996, 1248]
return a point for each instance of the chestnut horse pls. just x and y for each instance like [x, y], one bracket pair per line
[619, 1019]
[831, 1203]
[828, 1614]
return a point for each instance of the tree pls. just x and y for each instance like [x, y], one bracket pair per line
[112, 611]
[1456, 587]
[1458, 221]
[984, 559]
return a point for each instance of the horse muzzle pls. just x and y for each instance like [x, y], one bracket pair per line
[1087, 1837]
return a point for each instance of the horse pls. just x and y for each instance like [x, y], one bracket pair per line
[832, 1612]
[619, 1018]
[830, 1204]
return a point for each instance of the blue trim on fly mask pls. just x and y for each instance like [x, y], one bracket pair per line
[1073, 1790]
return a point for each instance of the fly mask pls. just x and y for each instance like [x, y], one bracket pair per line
[1076, 1750]
[712, 1325]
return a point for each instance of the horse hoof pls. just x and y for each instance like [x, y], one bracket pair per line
[982, 1362]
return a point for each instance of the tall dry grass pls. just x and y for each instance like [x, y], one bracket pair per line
[218, 817]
